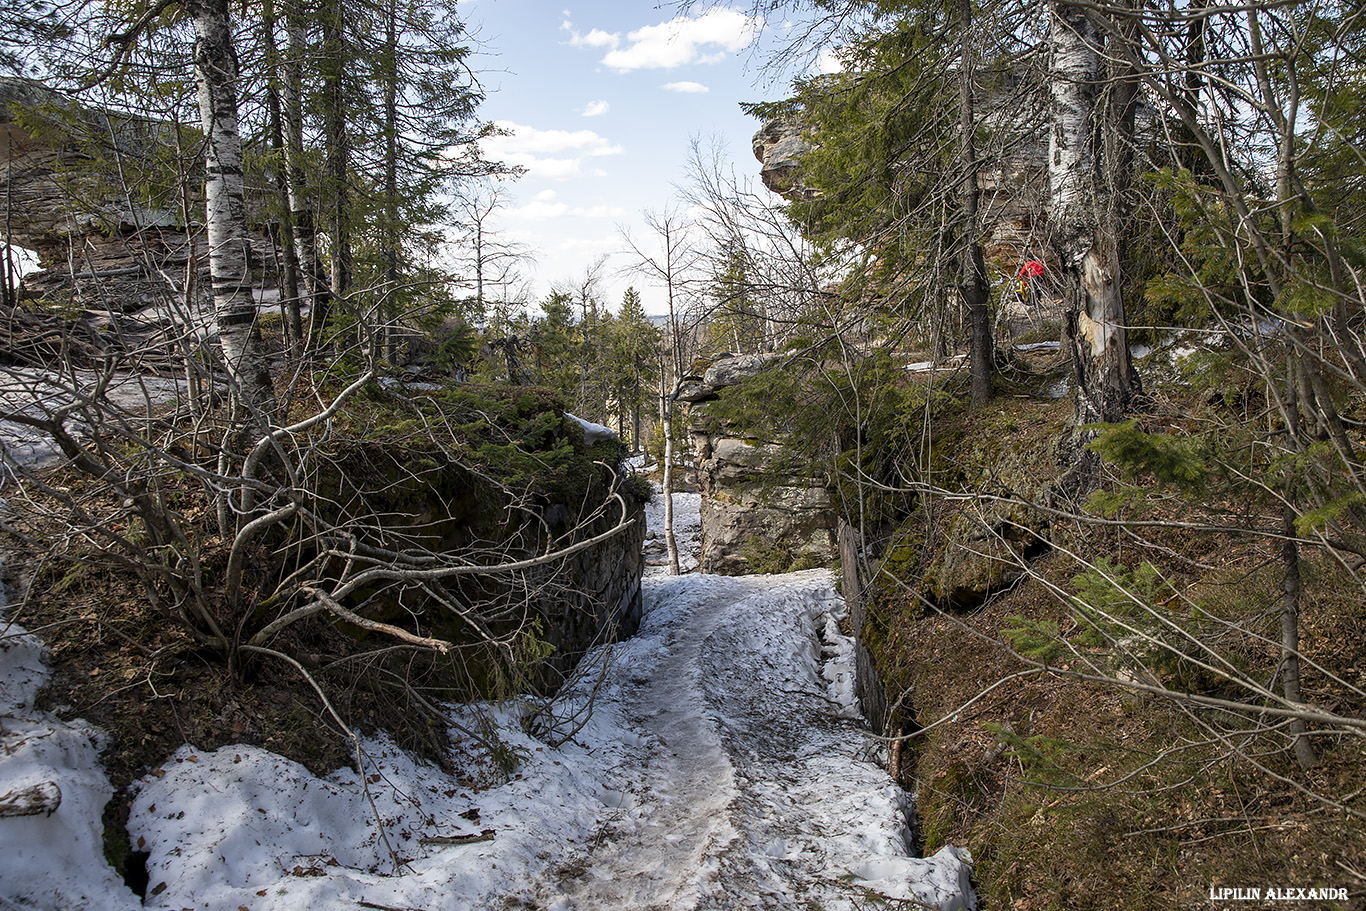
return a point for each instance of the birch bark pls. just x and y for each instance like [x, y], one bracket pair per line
[1084, 234]
[215, 65]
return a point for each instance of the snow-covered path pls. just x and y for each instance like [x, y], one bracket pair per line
[722, 766]
[747, 788]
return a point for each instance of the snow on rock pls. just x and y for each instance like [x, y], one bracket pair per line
[592, 433]
[838, 670]
[50, 861]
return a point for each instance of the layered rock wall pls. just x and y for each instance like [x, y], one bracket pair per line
[96, 197]
[603, 602]
[761, 510]
[102, 234]
[758, 515]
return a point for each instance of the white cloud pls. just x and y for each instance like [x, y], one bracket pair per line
[539, 211]
[546, 205]
[596, 108]
[709, 38]
[595, 38]
[687, 88]
[523, 138]
[828, 62]
[547, 154]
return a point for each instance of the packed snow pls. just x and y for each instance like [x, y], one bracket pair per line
[722, 766]
[592, 433]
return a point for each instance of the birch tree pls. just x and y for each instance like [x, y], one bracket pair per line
[668, 260]
[492, 258]
[1084, 234]
[216, 75]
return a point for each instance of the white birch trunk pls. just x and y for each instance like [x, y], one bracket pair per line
[215, 66]
[300, 204]
[666, 413]
[1084, 235]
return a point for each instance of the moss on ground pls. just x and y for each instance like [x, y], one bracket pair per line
[1089, 797]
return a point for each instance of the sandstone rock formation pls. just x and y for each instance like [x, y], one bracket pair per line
[779, 147]
[761, 512]
[86, 194]
[74, 200]
[725, 370]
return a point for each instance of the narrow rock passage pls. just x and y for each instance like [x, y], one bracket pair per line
[722, 766]
[745, 789]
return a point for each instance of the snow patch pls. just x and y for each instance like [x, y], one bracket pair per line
[592, 433]
[50, 861]
[393, 384]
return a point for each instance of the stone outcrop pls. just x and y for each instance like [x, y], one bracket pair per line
[761, 512]
[984, 553]
[725, 370]
[988, 544]
[101, 235]
[752, 522]
[57, 163]
[779, 147]
[571, 604]
[86, 194]
[603, 601]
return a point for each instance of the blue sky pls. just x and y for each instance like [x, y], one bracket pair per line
[601, 100]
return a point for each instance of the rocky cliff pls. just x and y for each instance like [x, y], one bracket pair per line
[74, 199]
[761, 511]
[88, 195]
[779, 146]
